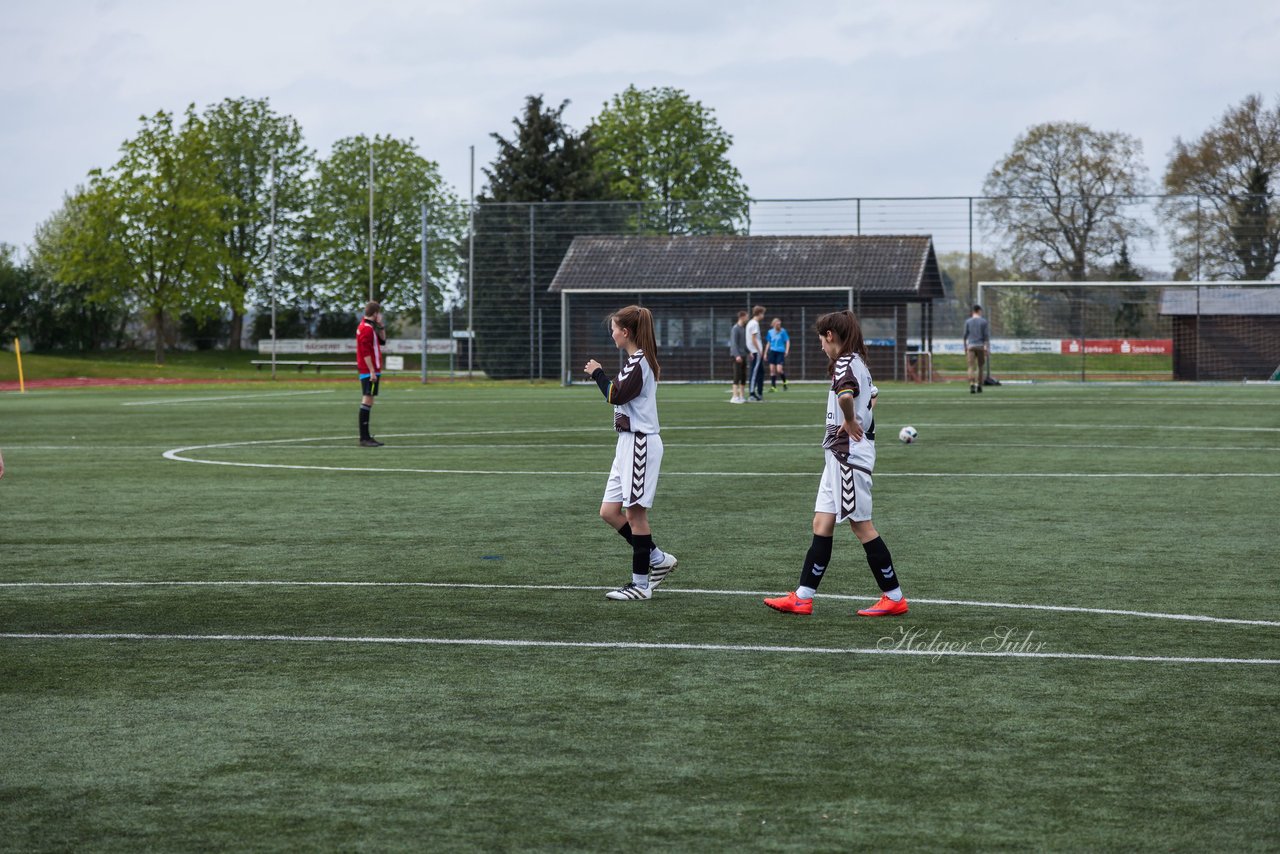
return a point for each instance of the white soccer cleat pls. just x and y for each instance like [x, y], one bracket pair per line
[659, 571]
[630, 591]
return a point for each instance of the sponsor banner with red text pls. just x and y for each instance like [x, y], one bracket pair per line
[1120, 346]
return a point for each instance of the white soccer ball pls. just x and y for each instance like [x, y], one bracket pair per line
[907, 435]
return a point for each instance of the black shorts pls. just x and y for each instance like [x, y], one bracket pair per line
[369, 386]
[777, 357]
[739, 372]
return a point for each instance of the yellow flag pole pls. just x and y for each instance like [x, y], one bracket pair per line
[17, 349]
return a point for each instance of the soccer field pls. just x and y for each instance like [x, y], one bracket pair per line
[225, 626]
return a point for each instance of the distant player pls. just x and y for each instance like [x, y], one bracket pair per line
[845, 490]
[633, 480]
[755, 347]
[977, 346]
[779, 349]
[370, 337]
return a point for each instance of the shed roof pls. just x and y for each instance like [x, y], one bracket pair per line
[889, 266]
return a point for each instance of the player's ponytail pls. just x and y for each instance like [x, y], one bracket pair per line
[638, 321]
[848, 332]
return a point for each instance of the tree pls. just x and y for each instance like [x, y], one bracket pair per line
[15, 292]
[1225, 221]
[150, 229]
[660, 148]
[338, 232]
[245, 135]
[70, 313]
[534, 187]
[1058, 198]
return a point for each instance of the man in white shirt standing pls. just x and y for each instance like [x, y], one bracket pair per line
[755, 347]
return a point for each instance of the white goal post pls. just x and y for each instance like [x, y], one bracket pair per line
[1200, 330]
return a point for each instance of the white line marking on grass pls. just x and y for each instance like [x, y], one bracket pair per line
[224, 397]
[1199, 618]
[632, 645]
[178, 455]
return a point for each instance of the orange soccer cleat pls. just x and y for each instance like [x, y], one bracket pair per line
[886, 607]
[791, 604]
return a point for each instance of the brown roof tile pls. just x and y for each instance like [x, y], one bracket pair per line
[885, 265]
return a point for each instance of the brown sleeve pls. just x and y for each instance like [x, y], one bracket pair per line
[629, 382]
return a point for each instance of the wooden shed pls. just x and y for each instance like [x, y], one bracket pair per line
[1223, 332]
[695, 286]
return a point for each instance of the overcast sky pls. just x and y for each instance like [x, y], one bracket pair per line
[822, 99]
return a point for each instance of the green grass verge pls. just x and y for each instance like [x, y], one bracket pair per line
[1087, 497]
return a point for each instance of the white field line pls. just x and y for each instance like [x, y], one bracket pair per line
[634, 645]
[259, 396]
[179, 455]
[1199, 618]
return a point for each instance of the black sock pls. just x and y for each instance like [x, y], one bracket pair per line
[625, 532]
[816, 561]
[881, 564]
[773, 380]
[364, 421]
[641, 545]
[784, 378]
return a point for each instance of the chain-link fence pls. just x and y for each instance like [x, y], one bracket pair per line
[493, 312]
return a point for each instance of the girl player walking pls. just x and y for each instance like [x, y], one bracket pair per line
[633, 480]
[845, 490]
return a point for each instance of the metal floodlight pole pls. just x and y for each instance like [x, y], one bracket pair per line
[426, 291]
[471, 266]
[371, 220]
[271, 265]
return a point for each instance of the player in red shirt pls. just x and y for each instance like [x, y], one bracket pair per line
[370, 337]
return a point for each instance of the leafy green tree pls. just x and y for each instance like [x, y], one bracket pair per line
[337, 236]
[15, 292]
[70, 313]
[151, 227]
[1058, 198]
[661, 148]
[245, 135]
[1225, 220]
[524, 225]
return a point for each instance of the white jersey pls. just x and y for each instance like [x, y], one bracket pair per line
[634, 395]
[851, 376]
[753, 336]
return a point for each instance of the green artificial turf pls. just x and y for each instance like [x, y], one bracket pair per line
[433, 665]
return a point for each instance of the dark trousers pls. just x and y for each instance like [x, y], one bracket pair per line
[755, 387]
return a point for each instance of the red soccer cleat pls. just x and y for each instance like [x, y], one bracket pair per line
[886, 607]
[791, 604]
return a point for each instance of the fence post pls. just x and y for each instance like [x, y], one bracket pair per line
[531, 286]
[426, 291]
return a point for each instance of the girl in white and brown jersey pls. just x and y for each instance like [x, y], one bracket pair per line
[633, 480]
[844, 492]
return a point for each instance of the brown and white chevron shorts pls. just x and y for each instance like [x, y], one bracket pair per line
[634, 476]
[845, 490]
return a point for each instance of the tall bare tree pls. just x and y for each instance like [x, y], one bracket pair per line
[1058, 199]
[1225, 220]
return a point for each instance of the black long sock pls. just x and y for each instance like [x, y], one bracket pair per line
[881, 563]
[816, 561]
[364, 421]
[625, 532]
[641, 545]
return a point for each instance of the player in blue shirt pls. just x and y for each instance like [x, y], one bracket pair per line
[779, 349]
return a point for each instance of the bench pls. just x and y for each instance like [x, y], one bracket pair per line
[302, 363]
